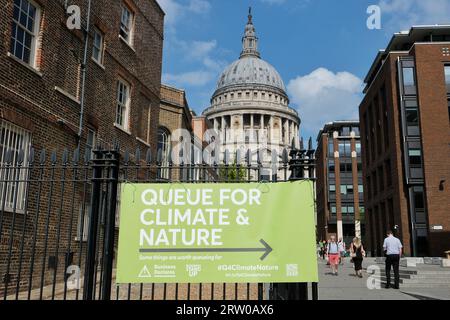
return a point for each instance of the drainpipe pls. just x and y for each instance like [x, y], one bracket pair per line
[83, 72]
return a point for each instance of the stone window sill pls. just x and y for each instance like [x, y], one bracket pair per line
[122, 129]
[127, 43]
[67, 95]
[98, 63]
[143, 142]
[24, 64]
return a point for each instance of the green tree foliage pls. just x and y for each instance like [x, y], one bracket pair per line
[232, 173]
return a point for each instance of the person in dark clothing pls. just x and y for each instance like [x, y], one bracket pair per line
[357, 253]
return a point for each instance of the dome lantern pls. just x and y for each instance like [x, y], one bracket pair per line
[250, 40]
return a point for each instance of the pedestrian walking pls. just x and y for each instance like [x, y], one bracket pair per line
[321, 249]
[357, 253]
[333, 255]
[393, 249]
[342, 250]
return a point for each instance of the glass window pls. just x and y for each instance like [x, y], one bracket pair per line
[24, 31]
[90, 142]
[448, 102]
[447, 75]
[164, 141]
[412, 116]
[126, 24]
[358, 149]
[331, 166]
[346, 131]
[13, 139]
[408, 77]
[97, 49]
[419, 202]
[412, 122]
[350, 189]
[331, 148]
[332, 188]
[83, 221]
[123, 104]
[415, 157]
[341, 149]
[361, 188]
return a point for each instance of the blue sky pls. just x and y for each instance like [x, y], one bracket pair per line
[322, 48]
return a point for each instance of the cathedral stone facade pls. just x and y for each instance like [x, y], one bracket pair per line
[250, 107]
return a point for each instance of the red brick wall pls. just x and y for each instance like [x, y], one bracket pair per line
[28, 98]
[435, 129]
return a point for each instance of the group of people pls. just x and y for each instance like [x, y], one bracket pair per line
[336, 251]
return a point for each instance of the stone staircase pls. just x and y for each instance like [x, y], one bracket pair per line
[421, 277]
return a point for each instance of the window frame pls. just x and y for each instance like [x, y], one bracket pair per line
[14, 134]
[128, 38]
[411, 72]
[101, 49]
[447, 76]
[90, 146]
[125, 106]
[34, 35]
[164, 145]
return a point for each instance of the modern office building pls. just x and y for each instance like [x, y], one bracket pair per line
[405, 135]
[340, 192]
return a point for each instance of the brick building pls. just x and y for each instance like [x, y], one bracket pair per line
[42, 67]
[405, 137]
[340, 192]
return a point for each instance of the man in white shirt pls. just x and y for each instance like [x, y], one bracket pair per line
[393, 248]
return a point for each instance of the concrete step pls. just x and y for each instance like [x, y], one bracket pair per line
[429, 276]
[442, 273]
[433, 282]
[420, 286]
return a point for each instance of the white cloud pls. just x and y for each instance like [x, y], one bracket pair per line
[199, 49]
[402, 14]
[199, 6]
[201, 56]
[172, 9]
[194, 78]
[175, 11]
[324, 96]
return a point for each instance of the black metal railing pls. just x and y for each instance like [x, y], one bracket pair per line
[59, 225]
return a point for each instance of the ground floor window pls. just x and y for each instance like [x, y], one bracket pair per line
[15, 143]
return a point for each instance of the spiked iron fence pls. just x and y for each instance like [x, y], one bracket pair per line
[59, 225]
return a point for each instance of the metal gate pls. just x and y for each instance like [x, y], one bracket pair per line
[59, 222]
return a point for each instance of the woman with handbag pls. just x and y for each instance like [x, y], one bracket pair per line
[357, 253]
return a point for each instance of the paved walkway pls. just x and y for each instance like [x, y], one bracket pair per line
[346, 286]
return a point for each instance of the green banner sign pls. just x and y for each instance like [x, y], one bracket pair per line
[217, 233]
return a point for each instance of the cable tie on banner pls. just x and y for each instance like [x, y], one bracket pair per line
[266, 184]
[128, 182]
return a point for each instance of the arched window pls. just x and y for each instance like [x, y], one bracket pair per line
[163, 150]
